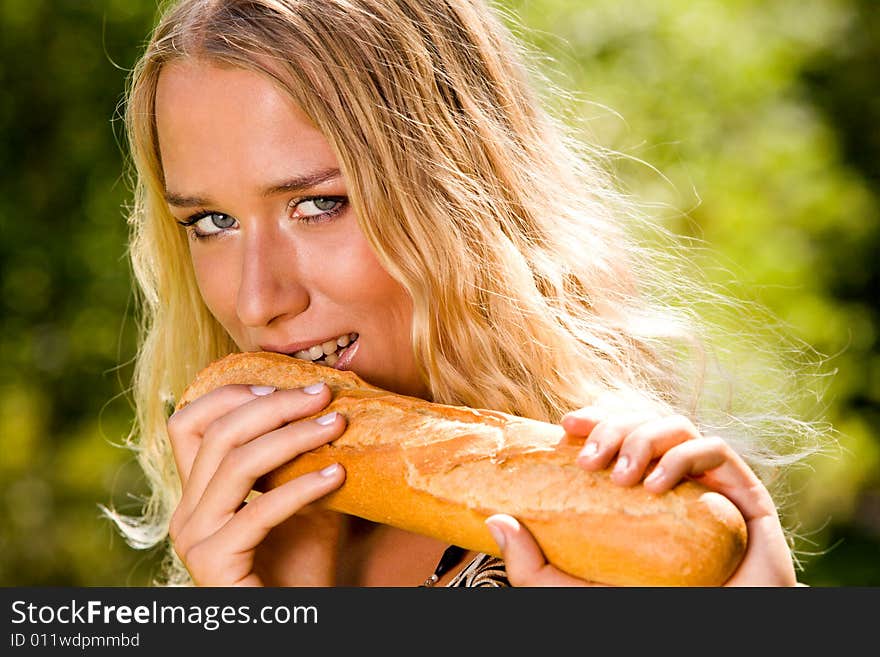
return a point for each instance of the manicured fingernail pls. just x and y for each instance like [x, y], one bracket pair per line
[497, 534]
[329, 471]
[656, 475]
[589, 451]
[622, 464]
[314, 389]
[260, 391]
[329, 418]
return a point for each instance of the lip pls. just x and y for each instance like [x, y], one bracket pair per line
[292, 348]
[347, 355]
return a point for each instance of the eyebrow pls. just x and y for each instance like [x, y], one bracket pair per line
[295, 184]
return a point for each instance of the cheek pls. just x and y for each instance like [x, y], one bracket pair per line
[363, 282]
[217, 279]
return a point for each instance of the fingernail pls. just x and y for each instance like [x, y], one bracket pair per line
[589, 451]
[497, 534]
[329, 471]
[622, 464]
[656, 475]
[314, 389]
[324, 420]
[260, 391]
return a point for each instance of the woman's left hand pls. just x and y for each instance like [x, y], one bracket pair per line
[683, 453]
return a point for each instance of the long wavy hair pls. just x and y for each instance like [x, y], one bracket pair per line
[535, 289]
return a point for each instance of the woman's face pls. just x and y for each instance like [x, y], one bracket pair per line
[278, 254]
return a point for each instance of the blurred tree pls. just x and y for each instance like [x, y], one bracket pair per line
[65, 329]
[842, 80]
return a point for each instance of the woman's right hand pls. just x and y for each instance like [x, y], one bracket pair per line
[223, 442]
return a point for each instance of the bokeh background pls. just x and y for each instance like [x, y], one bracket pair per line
[756, 125]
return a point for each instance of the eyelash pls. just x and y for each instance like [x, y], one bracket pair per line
[192, 220]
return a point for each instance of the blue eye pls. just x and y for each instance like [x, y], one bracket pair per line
[318, 208]
[207, 224]
[312, 210]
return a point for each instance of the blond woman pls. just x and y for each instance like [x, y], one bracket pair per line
[378, 176]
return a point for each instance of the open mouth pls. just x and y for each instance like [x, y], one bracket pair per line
[333, 353]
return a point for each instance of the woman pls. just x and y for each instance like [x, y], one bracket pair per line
[374, 180]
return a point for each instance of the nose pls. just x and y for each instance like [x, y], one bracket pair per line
[271, 287]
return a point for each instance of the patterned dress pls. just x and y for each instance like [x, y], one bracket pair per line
[484, 570]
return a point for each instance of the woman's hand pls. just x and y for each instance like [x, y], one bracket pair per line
[223, 442]
[683, 452]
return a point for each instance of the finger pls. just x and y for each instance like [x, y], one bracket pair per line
[523, 559]
[260, 415]
[583, 420]
[606, 438]
[714, 463]
[248, 528]
[187, 426]
[647, 442]
[214, 436]
[240, 469]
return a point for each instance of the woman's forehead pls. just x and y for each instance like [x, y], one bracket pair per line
[221, 122]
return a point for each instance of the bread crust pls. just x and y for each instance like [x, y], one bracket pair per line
[441, 470]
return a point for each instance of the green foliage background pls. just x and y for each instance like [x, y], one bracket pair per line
[750, 124]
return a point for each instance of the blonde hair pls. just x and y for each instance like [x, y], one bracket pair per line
[531, 293]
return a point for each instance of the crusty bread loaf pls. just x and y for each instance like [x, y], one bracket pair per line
[441, 470]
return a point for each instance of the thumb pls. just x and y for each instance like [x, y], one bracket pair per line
[522, 556]
[524, 561]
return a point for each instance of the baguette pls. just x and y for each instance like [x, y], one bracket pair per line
[441, 470]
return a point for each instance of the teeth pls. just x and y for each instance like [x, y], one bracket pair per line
[327, 350]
